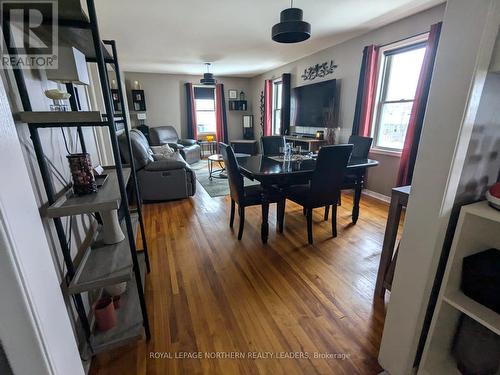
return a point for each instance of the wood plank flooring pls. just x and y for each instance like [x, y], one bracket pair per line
[209, 294]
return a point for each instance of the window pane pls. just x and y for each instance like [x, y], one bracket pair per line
[403, 74]
[205, 104]
[393, 124]
[277, 122]
[205, 121]
[277, 95]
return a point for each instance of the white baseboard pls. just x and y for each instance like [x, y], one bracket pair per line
[374, 194]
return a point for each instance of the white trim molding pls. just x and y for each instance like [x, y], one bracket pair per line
[375, 195]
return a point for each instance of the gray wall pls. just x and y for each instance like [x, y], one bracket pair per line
[166, 100]
[348, 56]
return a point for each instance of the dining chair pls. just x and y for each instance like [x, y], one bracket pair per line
[324, 186]
[360, 150]
[271, 145]
[246, 196]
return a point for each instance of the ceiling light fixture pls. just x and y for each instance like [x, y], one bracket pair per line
[292, 28]
[208, 78]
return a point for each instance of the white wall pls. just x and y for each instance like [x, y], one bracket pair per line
[348, 57]
[166, 100]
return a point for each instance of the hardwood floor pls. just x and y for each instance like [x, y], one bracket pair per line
[210, 293]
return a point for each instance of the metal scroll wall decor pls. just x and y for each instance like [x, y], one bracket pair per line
[319, 70]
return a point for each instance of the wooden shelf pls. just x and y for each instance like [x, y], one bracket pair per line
[107, 198]
[103, 265]
[481, 314]
[477, 230]
[482, 209]
[53, 117]
[129, 327]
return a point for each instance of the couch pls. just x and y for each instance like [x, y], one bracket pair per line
[159, 180]
[188, 148]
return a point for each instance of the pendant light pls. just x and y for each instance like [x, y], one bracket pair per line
[292, 28]
[208, 78]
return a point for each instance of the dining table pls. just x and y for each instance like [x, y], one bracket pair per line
[274, 171]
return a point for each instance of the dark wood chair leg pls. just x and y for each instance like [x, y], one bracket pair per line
[241, 212]
[231, 218]
[280, 214]
[334, 220]
[304, 211]
[309, 225]
[327, 211]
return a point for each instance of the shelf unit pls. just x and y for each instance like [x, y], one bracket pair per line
[238, 105]
[101, 265]
[477, 230]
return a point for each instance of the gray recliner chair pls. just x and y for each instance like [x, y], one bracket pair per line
[158, 180]
[188, 148]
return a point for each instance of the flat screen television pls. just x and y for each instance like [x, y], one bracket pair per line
[315, 105]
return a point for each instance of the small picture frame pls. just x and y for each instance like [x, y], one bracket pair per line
[233, 94]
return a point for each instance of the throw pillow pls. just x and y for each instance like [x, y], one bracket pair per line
[162, 152]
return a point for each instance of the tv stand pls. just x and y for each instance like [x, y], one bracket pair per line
[311, 144]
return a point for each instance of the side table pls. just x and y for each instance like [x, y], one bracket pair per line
[399, 199]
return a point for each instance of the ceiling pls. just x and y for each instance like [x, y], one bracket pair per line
[178, 36]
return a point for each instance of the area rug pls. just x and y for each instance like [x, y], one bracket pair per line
[217, 187]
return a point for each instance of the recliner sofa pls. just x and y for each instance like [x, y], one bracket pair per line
[188, 148]
[159, 180]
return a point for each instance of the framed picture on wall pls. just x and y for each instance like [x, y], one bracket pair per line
[233, 94]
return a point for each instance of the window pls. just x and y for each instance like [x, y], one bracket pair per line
[398, 79]
[277, 87]
[204, 101]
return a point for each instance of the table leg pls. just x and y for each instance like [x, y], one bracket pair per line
[210, 166]
[357, 197]
[391, 232]
[264, 229]
[355, 207]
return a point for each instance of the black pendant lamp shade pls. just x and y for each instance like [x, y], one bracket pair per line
[208, 78]
[291, 29]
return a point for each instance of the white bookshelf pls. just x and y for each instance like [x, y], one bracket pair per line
[478, 229]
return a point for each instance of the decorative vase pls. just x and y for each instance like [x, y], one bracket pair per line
[116, 302]
[117, 289]
[111, 229]
[81, 173]
[105, 315]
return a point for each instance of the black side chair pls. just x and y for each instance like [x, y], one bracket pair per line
[271, 145]
[324, 187]
[246, 195]
[360, 150]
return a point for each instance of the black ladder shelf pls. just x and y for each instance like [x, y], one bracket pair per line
[101, 265]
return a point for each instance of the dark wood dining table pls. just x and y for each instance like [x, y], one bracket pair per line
[272, 172]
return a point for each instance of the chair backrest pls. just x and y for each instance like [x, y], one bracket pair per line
[361, 146]
[140, 149]
[163, 134]
[236, 187]
[271, 144]
[329, 174]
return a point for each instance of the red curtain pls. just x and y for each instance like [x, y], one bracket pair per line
[410, 148]
[367, 87]
[192, 129]
[268, 107]
[221, 132]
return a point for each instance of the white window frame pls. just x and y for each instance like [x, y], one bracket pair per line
[377, 104]
[215, 109]
[276, 82]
